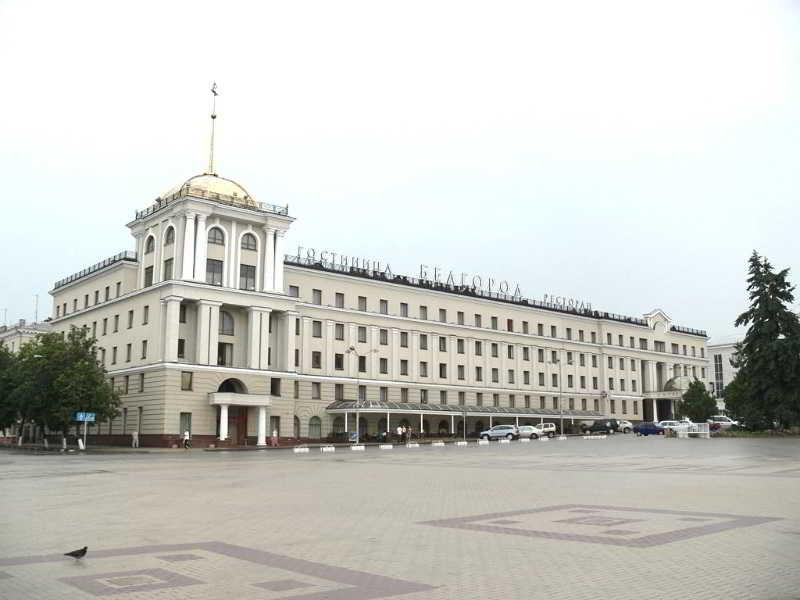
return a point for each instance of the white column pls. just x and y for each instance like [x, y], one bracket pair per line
[200, 249]
[264, 339]
[254, 316]
[171, 328]
[140, 256]
[231, 267]
[394, 361]
[352, 362]
[268, 259]
[207, 332]
[188, 246]
[262, 426]
[329, 361]
[157, 266]
[453, 424]
[655, 410]
[306, 344]
[452, 368]
[223, 421]
[415, 356]
[279, 261]
[289, 324]
[372, 360]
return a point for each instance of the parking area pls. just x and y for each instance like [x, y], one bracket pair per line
[619, 517]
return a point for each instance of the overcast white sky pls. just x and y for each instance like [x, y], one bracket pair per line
[628, 153]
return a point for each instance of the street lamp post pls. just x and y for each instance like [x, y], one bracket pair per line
[352, 350]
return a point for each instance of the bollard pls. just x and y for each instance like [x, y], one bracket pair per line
[438, 444]
[525, 440]
[358, 448]
[412, 445]
[385, 446]
[461, 443]
[328, 449]
[505, 441]
[301, 450]
[483, 442]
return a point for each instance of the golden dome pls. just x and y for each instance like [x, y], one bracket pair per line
[214, 187]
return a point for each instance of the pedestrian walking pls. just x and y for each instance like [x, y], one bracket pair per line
[135, 439]
[399, 433]
[273, 441]
[187, 440]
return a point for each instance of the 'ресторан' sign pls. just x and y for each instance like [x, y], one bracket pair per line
[437, 275]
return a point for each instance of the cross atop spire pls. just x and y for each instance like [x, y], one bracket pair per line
[213, 121]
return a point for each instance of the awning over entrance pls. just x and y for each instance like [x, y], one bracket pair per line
[349, 406]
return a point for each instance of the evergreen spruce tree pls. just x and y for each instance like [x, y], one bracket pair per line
[767, 386]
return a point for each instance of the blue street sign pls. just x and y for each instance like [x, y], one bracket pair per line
[86, 417]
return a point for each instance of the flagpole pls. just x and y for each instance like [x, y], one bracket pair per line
[213, 121]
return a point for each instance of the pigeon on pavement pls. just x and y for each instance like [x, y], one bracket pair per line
[77, 553]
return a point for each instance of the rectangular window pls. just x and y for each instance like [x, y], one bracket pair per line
[553, 331]
[338, 392]
[511, 376]
[479, 399]
[96, 296]
[181, 314]
[423, 396]
[526, 377]
[569, 333]
[494, 323]
[526, 353]
[555, 380]
[130, 319]
[114, 355]
[224, 354]
[403, 309]
[362, 364]
[622, 385]
[442, 344]
[383, 394]
[316, 360]
[580, 335]
[442, 397]
[167, 269]
[462, 398]
[181, 348]
[540, 355]
[633, 385]
[495, 352]
[583, 382]
[339, 300]
[316, 390]
[186, 381]
[108, 289]
[510, 351]
[86, 305]
[610, 383]
[423, 342]
[94, 328]
[384, 366]
[403, 367]
[316, 329]
[442, 315]
[495, 399]
[144, 349]
[525, 327]
[460, 370]
[404, 339]
[624, 407]
[338, 331]
[362, 303]
[295, 389]
[141, 382]
[125, 384]
[213, 271]
[460, 346]
[541, 379]
[116, 323]
[495, 375]
[275, 386]
[403, 394]
[119, 288]
[478, 348]
[362, 335]
[460, 317]
[572, 404]
[594, 361]
[610, 362]
[442, 370]
[383, 307]
[478, 373]
[294, 291]
[423, 369]
[338, 362]
[620, 340]
[570, 382]
[509, 324]
[594, 383]
[383, 337]
[247, 277]
[316, 297]
[478, 321]
[423, 313]
[635, 407]
[582, 359]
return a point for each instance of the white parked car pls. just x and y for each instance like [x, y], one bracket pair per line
[724, 422]
[548, 429]
[530, 431]
[625, 426]
[673, 425]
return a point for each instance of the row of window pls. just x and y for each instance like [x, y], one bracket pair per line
[61, 309]
[215, 236]
[128, 353]
[423, 314]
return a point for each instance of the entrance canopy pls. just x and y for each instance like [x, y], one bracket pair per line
[349, 406]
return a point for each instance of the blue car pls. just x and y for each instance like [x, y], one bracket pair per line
[648, 428]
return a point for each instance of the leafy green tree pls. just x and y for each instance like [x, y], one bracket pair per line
[767, 386]
[8, 409]
[697, 403]
[57, 375]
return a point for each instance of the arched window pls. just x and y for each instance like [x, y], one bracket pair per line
[444, 428]
[248, 242]
[338, 425]
[315, 428]
[150, 245]
[225, 323]
[215, 236]
[169, 238]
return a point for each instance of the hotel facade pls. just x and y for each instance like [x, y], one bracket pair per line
[213, 325]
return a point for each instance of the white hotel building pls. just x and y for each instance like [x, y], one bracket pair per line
[212, 325]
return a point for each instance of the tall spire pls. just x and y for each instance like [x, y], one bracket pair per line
[213, 120]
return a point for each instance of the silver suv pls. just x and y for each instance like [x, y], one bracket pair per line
[509, 432]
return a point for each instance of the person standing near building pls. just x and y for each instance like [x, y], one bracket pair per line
[399, 433]
[135, 439]
[187, 440]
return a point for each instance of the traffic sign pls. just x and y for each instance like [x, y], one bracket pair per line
[85, 417]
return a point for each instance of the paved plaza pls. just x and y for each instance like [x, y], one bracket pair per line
[622, 517]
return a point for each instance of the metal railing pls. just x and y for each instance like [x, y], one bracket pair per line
[199, 192]
[458, 289]
[128, 255]
[689, 330]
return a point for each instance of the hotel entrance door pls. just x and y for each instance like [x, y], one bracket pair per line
[237, 425]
